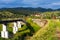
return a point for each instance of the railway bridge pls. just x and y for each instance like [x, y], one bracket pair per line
[16, 24]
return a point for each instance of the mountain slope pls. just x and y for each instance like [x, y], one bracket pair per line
[25, 11]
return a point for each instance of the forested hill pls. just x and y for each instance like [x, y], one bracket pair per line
[40, 9]
[19, 11]
[25, 10]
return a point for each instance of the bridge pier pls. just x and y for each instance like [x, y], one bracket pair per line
[18, 24]
[15, 28]
[4, 32]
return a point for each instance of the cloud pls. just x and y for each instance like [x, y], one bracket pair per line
[38, 3]
[53, 4]
[29, 3]
[57, 3]
[7, 1]
[10, 3]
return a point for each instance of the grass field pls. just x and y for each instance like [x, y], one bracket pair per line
[32, 31]
[48, 32]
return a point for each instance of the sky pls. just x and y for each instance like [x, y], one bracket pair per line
[54, 4]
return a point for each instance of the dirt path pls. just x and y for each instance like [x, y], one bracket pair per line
[39, 22]
[58, 33]
[57, 30]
